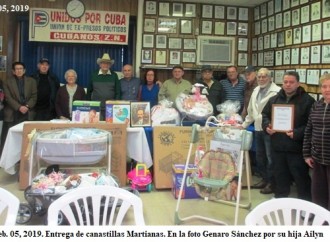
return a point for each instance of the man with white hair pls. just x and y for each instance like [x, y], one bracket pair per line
[260, 96]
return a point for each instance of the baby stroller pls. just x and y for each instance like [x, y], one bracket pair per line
[219, 174]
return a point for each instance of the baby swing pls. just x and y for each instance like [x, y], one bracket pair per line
[219, 172]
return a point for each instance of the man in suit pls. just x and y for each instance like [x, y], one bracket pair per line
[20, 98]
[140, 117]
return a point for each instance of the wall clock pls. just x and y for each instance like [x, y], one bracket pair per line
[75, 8]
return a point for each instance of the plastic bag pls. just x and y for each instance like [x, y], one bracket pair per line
[165, 114]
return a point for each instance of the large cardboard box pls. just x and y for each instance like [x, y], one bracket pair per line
[189, 190]
[118, 149]
[171, 146]
[86, 111]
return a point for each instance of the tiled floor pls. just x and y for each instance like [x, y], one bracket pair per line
[160, 206]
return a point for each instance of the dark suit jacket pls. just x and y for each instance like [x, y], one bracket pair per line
[12, 97]
[62, 100]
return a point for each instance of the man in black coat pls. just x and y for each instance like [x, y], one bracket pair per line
[287, 145]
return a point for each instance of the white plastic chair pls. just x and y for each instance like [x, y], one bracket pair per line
[288, 211]
[104, 205]
[8, 203]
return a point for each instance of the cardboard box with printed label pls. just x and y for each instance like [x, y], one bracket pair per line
[189, 190]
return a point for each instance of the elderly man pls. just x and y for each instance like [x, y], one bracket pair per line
[286, 145]
[234, 87]
[130, 85]
[104, 83]
[260, 96]
[171, 88]
[251, 82]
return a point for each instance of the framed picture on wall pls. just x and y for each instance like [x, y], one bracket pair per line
[295, 17]
[271, 23]
[219, 12]
[315, 54]
[304, 56]
[288, 37]
[270, 7]
[316, 11]
[264, 26]
[146, 56]
[161, 41]
[167, 25]
[242, 59]
[278, 21]
[148, 41]
[256, 13]
[325, 9]
[316, 30]
[149, 25]
[232, 13]
[189, 44]
[243, 28]
[260, 43]
[297, 35]
[140, 114]
[294, 56]
[286, 4]
[263, 10]
[280, 39]
[302, 75]
[278, 58]
[186, 26]
[313, 77]
[278, 79]
[326, 54]
[219, 28]
[273, 40]
[257, 28]
[254, 59]
[160, 57]
[188, 57]
[174, 43]
[287, 19]
[242, 44]
[286, 57]
[175, 57]
[207, 11]
[231, 28]
[306, 34]
[294, 3]
[164, 9]
[269, 58]
[304, 14]
[266, 41]
[326, 30]
[206, 27]
[277, 6]
[190, 10]
[177, 10]
[243, 14]
[260, 59]
[255, 44]
[151, 7]
[325, 71]
[303, 1]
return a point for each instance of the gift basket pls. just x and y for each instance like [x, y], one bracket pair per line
[229, 113]
[165, 114]
[195, 106]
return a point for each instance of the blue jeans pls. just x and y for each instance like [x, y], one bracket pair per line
[263, 156]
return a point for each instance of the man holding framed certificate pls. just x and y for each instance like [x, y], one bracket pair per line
[284, 118]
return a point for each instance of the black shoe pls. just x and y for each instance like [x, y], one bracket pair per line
[267, 189]
[260, 185]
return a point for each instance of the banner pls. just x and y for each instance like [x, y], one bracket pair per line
[97, 27]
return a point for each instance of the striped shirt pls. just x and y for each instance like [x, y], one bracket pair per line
[234, 93]
[317, 134]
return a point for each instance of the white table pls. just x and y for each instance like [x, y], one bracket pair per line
[137, 147]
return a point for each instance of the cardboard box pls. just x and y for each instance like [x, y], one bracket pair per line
[189, 190]
[118, 112]
[171, 146]
[118, 149]
[86, 111]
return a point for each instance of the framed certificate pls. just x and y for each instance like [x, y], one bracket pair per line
[282, 117]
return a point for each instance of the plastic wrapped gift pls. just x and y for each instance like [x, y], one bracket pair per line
[165, 114]
[196, 106]
[228, 113]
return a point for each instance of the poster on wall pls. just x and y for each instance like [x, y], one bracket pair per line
[97, 27]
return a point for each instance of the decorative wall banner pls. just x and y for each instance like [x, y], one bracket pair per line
[97, 27]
